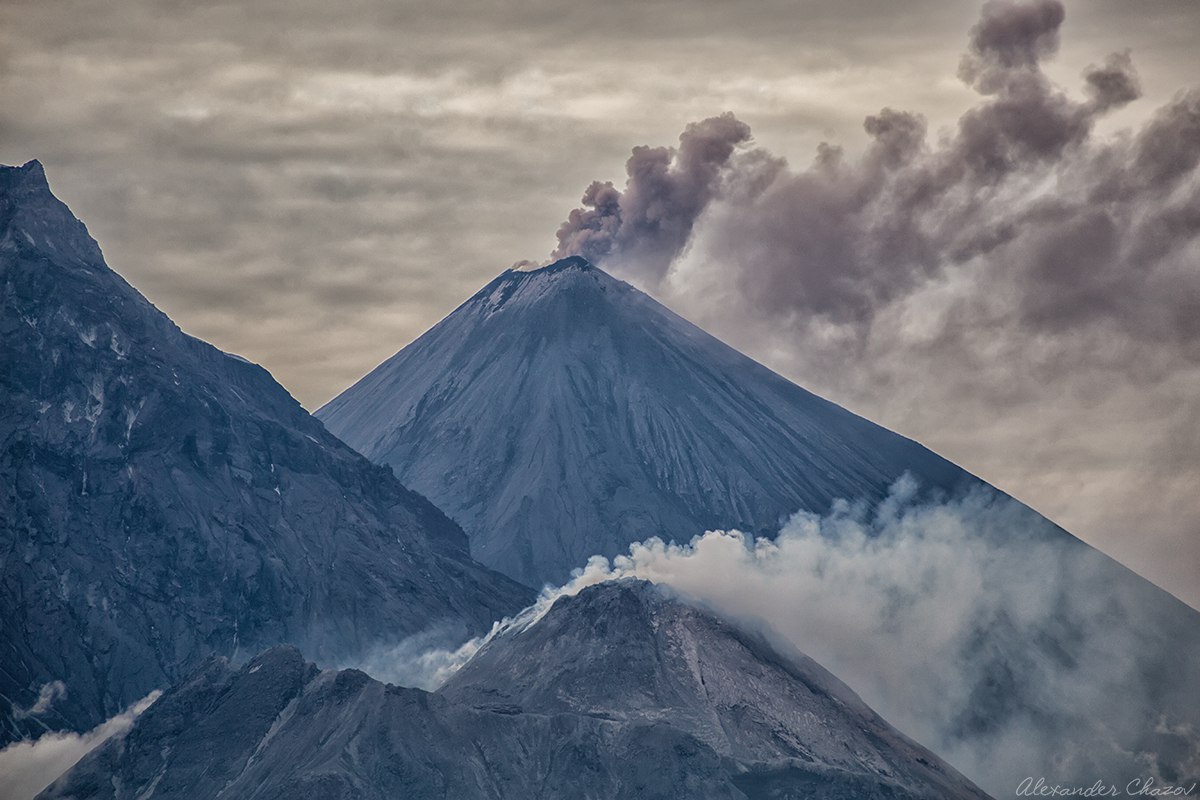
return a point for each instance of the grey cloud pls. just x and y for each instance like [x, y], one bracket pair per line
[840, 239]
[1113, 84]
[47, 695]
[899, 135]
[1027, 121]
[592, 231]
[1168, 148]
[1013, 35]
[1073, 229]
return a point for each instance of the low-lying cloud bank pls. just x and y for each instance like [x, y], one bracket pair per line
[27, 767]
[972, 625]
[1019, 291]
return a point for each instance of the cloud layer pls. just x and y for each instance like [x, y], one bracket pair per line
[978, 285]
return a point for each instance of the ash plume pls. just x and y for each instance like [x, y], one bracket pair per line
[651, 220]
[842, 238]
[1025, 267]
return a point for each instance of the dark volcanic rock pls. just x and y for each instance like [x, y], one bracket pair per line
[560, 414]
[161, 501]
[619, 692]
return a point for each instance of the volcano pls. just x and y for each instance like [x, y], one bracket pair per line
[561, 413]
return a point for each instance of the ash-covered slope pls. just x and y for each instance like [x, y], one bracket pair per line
[161, 501]
[618, 692]
[633, 652]
[561, 413]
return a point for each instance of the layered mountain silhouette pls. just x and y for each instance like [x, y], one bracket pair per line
[167, 511]
[560, 413]
[619, 692]
[162, 501]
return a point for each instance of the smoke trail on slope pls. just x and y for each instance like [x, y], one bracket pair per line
[27, 767]
[968, 624]
[972, 625]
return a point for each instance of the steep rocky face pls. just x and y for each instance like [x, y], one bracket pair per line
[161, 501]
[619, 692]
[632, 652]
[561, 413]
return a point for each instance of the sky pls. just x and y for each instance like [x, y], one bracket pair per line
[312, 185]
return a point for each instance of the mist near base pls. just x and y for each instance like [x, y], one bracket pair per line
[971, 624]
[28, 767]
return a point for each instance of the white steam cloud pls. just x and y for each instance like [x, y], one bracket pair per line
[28, 767]
[969, 625]
[972, 625]
[422, 661]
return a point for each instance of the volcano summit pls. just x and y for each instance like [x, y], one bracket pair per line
[561, 413]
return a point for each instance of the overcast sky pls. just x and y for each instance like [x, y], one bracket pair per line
[313, 184]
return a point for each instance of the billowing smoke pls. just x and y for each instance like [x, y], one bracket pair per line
[27, 767]
[1061, 219]
[969, 625]
[651, 220]
[1020, 291]
[972, 625]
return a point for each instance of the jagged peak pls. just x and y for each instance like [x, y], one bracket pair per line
[34, 221]
[30, 169]
[568, 263]
[557, 271]
[25, 182]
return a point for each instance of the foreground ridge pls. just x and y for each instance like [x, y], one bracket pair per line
[687, 706]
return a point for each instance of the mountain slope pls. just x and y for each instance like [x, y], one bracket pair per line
[161, 501]
[561, 413]
[697, 710]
